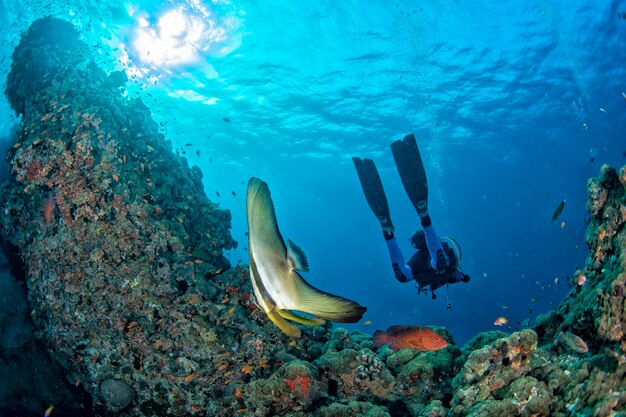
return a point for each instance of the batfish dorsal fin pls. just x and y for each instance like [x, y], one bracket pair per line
[297, 257]
[263, 231]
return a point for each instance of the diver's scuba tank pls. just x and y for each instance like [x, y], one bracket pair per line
[453, 248]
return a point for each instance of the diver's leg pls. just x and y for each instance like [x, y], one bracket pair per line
[377, 200]
[413, 175]
[438, 258]
[374, 192]
[400, 269]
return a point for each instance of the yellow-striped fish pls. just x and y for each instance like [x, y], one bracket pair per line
[278, 287]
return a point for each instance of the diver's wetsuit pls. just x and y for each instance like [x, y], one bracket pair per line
[435, 263]
[420, 267]
[433, 245]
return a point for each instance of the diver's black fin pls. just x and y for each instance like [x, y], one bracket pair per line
[374, 192]
[412, 172]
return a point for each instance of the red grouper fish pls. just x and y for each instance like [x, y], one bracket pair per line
[409, 337]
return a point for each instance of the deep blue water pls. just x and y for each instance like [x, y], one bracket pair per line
[510, 103]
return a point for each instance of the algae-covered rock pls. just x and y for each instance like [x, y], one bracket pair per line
[477, 342]
[489, 408]
[397, 359]
[611, 323]
[547, 325]
[116, 394]
[429, 375]
[294, 387]
[531, 397]
[512, 352]
[107, 220]
[607, 206]
[349, 373]
[434, 409]
[340, 339]
[592, 386]
[352, 409]
[492, 368]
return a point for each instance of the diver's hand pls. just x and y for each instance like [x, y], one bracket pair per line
[399, 274]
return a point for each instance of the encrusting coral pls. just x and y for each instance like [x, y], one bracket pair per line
[133, 296]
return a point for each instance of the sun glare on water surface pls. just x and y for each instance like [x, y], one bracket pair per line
[180, 36]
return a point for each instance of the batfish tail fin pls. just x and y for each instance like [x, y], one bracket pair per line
[380, 338]
[325, 305]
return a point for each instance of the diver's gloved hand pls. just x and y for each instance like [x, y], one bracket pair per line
[442, 262]
[399, 274]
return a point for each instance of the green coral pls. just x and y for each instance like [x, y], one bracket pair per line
[490, 408]
[477, 342]
[293, 387]
[352, 409]
[397, 359]
[492, 368]
[430, 365]
[342, 339]
[356, 373]
[434, 409]
[427, 376]
[530, 396]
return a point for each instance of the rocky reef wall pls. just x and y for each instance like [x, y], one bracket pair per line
[130, 291]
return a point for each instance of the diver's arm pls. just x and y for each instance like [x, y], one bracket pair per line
[401, 270]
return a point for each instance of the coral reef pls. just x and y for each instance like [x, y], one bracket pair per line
[35, 381]
[129, 289]
[292, 388]
[120, 244]
[116, 394]
[492, 368]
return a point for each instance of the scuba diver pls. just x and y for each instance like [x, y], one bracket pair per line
[437, 262]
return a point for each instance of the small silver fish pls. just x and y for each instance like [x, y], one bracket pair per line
[558, 210]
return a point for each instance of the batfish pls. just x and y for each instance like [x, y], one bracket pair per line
[278, 287]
